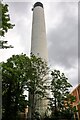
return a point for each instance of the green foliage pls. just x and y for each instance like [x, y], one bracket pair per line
[61, 101]
[22, 73]
[37, 72]
[5, 23]
[5, 19]
[37, 82]
[14, 78]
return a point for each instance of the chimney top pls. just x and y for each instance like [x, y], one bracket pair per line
[38, 4]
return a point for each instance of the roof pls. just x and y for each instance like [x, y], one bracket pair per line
[38, 4]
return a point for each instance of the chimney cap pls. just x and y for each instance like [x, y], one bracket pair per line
[38, 4]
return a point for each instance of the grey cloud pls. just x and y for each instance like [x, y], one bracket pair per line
[73, 81]
[20, 15]
[79, 34]
[19, 8]
[63, 48]
[62, 40]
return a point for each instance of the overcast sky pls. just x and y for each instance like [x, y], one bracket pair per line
[61, 20]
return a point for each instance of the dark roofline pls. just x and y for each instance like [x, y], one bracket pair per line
[37, 4]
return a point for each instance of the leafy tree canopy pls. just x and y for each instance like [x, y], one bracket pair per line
[5, 23]
[21, 73]
[61, 101]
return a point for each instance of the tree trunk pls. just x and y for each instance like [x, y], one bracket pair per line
[7, 113]
[55, 104]
[31, 108]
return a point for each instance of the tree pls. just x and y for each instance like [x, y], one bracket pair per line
[5, 24]
[0, 92]
[69, 110]
[60, 93]
[14, 78]
[21, 73]
[37, 84]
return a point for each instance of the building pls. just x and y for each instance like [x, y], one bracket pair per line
[76, 93]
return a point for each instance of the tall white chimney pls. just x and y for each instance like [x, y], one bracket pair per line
[38, 40]
[39, 43]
